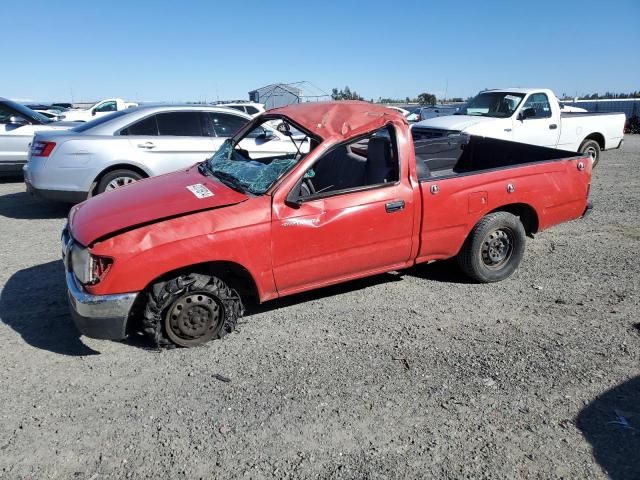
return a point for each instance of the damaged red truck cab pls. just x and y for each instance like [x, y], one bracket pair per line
[177, 256]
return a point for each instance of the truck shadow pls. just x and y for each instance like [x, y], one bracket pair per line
[445, 271]
[33, 303]
[611, 424]
[23, 206]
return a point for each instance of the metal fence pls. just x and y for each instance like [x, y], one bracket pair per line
[629, 106]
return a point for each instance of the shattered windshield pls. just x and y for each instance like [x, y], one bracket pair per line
[493, 104]
[256, 161]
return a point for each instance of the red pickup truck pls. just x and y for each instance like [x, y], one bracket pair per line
[178, 255]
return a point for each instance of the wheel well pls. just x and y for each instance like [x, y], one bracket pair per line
[111, 168]
[526, 214]
[234, 274]
[598, 137]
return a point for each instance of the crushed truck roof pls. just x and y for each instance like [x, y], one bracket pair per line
[343, 119]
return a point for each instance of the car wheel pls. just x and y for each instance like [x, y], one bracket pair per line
[591, 148]
[117, 179]
[494, 248]
[191, 310]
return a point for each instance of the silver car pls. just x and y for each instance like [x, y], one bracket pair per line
[140, 142]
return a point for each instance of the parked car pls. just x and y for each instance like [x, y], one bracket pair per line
[532, 116]
[100, 109]
[52, 115]
[131, 144]
[250, 108]
[18, 124]
[570, 109]
[404, 112]
[424, 113]
[182, 253]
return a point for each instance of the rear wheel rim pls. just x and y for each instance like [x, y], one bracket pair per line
[119, 182]
[497, 249]
[592, 152]
[194, 318]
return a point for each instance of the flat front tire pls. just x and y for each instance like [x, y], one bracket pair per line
[191, 310]
[494, 248]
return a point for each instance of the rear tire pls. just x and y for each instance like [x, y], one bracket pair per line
[116, 179]
[591, 148]
[494, 248]
[191, 310]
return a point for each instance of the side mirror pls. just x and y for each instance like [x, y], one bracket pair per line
[265, 136]
[293, 199]
[283, 128]
[18, 120]
[527, 113]
[93, 112]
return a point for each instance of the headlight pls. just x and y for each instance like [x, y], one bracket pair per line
[88, 269]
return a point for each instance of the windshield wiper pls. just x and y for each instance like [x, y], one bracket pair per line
[229, 180]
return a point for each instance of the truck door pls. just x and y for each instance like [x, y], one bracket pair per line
[355, 216]
[104, 108]
[536, 123]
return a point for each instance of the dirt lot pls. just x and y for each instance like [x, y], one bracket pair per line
[419, 375]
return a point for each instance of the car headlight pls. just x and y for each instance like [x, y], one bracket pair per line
[88, 269]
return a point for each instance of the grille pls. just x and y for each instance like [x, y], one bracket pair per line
[426, 133]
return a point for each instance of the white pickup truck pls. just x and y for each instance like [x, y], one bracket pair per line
[530, 115]
[104, 107]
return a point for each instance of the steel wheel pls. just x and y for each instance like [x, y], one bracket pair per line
[592, 152]
[497, 248]
[194, 318]
[119, 182]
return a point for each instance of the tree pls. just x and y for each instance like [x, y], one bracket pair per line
[345, 94]
[426, 99]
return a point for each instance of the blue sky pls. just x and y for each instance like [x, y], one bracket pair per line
[190, 50]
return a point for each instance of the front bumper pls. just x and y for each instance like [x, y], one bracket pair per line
[97, 316]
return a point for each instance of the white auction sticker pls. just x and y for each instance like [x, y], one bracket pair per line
[200, 190]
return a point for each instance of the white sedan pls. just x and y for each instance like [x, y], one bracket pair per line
[18, 124]
[140, 142]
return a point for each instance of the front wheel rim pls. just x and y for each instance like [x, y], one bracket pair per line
[497, 249]
[119, 182]
[194, 318]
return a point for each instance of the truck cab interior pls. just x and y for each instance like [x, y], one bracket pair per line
[359, 164]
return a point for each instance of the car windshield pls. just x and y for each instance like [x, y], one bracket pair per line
[493, 104]
[256, 161]
[27, 112]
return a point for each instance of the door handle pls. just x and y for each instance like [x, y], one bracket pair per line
[553, 126]
[395, 206]
[147, 145]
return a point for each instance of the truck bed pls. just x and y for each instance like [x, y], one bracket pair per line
[462, 154]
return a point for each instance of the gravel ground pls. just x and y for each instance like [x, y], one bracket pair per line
[419, 375]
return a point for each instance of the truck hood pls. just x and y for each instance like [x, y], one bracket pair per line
[148, 201]
[454, 122]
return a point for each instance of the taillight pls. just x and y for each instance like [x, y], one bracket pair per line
[42, 149]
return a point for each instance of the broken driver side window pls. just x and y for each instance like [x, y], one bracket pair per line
[365, 162]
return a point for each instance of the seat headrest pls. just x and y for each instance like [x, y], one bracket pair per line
[379, 160]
